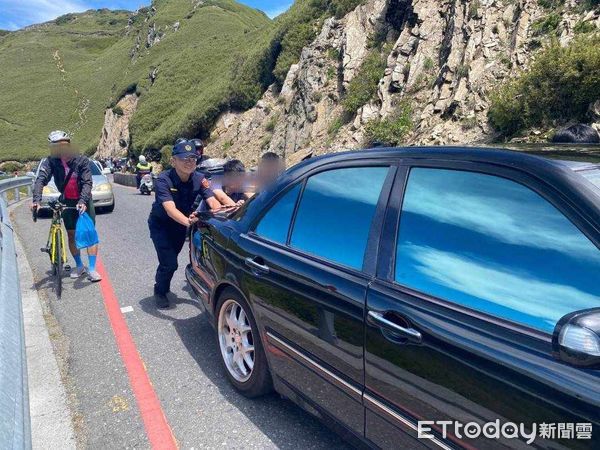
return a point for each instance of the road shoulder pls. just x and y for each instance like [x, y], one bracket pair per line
[51, 424]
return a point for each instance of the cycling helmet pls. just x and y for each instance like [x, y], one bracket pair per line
[58, 136]
[142, 159]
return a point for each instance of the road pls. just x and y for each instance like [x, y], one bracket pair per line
[177, 347]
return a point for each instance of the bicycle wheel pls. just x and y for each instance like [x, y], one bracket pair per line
[57, 264]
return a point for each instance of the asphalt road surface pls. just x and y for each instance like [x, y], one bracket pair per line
[177, 347]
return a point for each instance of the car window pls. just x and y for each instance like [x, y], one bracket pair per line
[494, 245]
[276, 222]
[593, 176]
[94, 168]
[335, 213]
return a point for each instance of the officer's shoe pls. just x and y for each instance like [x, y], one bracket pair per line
[161, 300]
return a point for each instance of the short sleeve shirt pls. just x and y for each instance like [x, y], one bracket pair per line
[169, 187]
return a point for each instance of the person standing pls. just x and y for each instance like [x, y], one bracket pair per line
[73, 179]
[176, 191]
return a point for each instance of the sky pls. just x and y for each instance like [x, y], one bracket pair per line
[15, 14]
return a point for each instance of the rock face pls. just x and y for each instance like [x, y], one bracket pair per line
[115, 132]
[443, 58]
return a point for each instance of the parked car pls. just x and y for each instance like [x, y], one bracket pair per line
[102, 192]
[382, 288]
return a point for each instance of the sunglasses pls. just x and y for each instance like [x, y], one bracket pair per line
[188, 160]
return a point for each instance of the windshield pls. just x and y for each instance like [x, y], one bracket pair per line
[593, 176]
[94, 168]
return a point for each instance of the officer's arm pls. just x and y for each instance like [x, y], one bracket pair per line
[175, 214]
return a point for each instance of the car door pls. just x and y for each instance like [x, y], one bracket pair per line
[477, 265]
[304, 271]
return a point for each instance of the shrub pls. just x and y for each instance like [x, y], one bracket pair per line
[392, 130]
[272, 123]
[165, 159]
[582, 27]
[546, 25]
[560, 85]
[551, 4]
[298, 36]
[428, 63]
[335, 126]
[117, 110]
[474, 9]
[363, 86]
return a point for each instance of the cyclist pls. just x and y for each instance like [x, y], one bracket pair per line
[73, 178]
[143, 168]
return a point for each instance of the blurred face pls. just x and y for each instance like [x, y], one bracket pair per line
[184, 165]
[234, 181]
[63, 150]
[269, 170]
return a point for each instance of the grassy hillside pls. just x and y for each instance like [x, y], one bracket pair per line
[65, 73]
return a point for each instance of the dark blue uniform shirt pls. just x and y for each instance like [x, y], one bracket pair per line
[169, 187]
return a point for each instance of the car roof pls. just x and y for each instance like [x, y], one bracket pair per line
[509, 158]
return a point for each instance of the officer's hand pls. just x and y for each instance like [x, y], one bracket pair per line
[240, 202]
[81, 207]
[193, 220]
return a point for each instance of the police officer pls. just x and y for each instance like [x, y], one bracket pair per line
[171, 215]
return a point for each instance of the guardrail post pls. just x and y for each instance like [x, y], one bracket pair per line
[17, 194]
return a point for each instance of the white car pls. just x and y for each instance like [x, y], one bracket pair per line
[102, 192]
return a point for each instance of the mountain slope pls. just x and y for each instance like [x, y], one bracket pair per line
[426, 72]
[178, 55]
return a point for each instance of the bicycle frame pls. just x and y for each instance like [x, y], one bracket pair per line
[56, 233]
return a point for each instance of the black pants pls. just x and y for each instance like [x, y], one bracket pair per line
[168, 242]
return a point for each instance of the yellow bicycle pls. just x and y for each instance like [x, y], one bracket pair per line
[56, 245]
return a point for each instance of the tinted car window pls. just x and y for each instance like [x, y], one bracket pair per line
[496, 246]
[94, 168]
[335, 213]
[276, 222]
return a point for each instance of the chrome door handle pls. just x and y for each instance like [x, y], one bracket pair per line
[381, 321]
[250, 262]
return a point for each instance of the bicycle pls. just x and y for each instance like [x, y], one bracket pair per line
[56, 246]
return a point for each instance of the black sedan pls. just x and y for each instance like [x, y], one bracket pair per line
[416, 298]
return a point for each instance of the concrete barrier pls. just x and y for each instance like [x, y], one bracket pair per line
[126, 179]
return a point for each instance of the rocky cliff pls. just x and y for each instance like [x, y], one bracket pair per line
[442, 58]
[114, 141]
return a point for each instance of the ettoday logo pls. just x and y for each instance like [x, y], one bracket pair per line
[507, 430]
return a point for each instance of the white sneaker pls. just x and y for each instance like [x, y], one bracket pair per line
[78, 272]
[94, 277]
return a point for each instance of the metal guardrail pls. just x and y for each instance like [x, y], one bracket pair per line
[15, 425]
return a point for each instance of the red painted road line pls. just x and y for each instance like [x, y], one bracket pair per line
[157, 428]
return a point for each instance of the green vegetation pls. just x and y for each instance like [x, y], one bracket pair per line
[335, 126]
[392, 130]
[81, 64]
[547, 25]
[582, 27]
[560, 85]
[117, 110]
[272, 123]
[363, 86]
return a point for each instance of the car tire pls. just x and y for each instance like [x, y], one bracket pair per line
[258, 381]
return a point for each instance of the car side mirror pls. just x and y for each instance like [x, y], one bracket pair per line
[576, 339]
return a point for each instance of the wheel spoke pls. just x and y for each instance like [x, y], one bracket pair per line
[232, 319]
[240, 364]
[242, 319]
[249, 360]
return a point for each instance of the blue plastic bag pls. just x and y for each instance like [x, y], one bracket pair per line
[85, 232]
